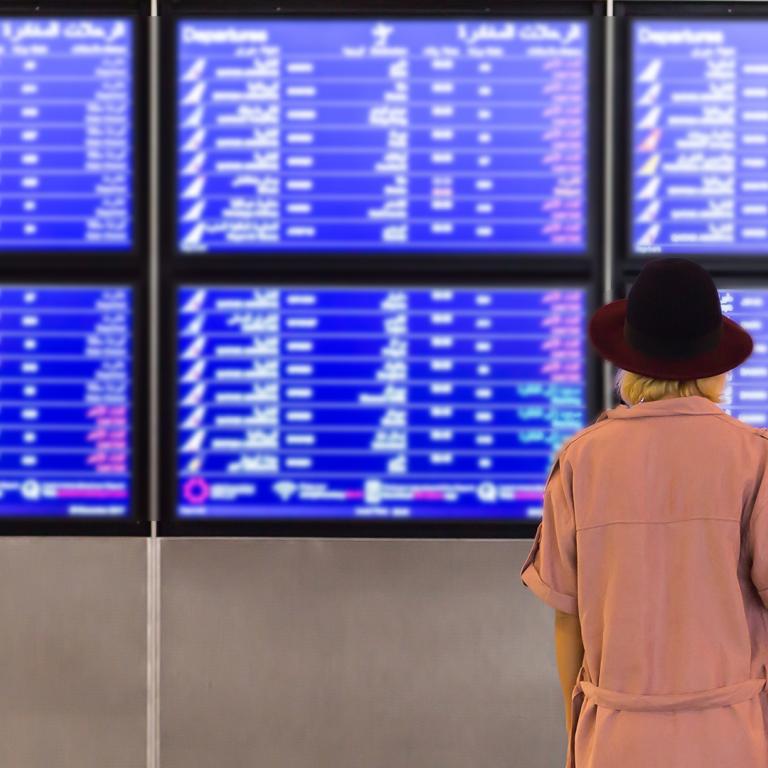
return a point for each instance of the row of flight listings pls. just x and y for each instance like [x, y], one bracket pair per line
[314, 402]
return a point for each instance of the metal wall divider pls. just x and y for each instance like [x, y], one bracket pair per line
[609, 159]
[153, 542]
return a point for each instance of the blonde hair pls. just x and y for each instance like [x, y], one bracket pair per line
[634, 388]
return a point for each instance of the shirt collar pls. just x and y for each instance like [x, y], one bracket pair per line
[693, 405]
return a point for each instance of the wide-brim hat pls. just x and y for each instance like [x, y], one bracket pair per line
[670, 326]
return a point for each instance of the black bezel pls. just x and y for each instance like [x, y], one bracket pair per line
[86, 259]
[404, 262]
[629, 13]
[135, 524]
[171, 525]
[100, 7]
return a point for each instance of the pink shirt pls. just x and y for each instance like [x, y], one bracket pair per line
[655, 533]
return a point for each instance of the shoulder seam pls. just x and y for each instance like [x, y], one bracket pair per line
[759, 431]
[600, 422]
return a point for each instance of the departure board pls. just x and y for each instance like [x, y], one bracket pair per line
[65, 401]
[391, 135]
[746, 395]
[66, 131]
[374, 403]
[700, 147]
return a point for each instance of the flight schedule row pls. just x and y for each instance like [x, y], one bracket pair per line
[374, 402]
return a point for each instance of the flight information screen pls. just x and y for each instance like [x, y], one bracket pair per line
[66, 134]
[391, 135]
[699, 141]
[65, 401]
[747, 389]
[373, 403]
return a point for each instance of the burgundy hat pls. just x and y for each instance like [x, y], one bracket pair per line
[670, 326]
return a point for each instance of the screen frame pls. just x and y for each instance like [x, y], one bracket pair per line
[171, 524]
[81, 8]
[135, 523]
[405, 261]
[80, 259]
[628, 15]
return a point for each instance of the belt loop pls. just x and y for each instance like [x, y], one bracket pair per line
[577, 701]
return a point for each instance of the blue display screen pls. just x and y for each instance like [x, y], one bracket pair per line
[398, 403]
[66, 132]
[65, 401]
[747, 389]
[700, 147]
[391, 135]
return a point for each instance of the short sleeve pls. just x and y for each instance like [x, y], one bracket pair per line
[550, 569]
[757, 540]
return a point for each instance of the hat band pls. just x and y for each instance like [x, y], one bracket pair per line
[670, 347]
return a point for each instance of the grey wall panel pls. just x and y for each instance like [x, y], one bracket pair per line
[355, 654]
[73, 653]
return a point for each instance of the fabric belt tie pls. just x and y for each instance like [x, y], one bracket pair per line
[646, 702]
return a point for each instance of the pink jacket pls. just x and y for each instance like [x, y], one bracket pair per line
[655, 533]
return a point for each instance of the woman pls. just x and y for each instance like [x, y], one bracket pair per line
[653, 546]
